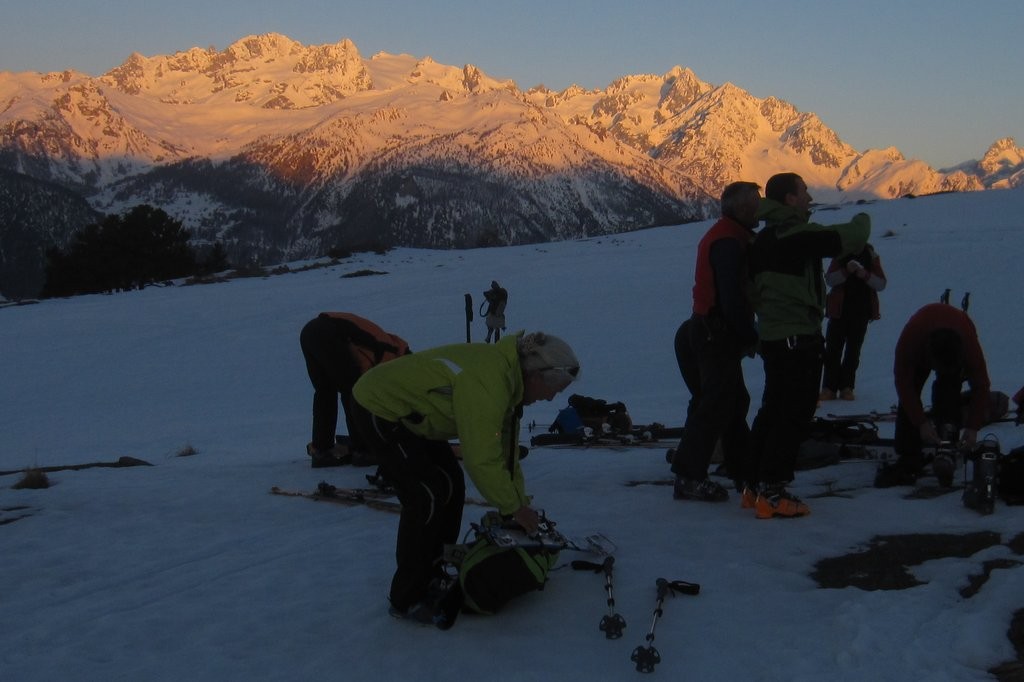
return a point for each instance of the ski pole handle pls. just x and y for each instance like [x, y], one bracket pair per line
[683, 587]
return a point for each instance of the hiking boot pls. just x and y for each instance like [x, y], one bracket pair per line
[900, 472]
[775, 500]
[439, 608]
[335, 457]
[748, 498]
[420, 612]
[704, 490]
[847, 394]
[826, 394]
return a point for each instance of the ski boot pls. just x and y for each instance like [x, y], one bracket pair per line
[980, 491]
[944, 464]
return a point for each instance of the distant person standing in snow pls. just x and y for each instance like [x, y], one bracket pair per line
[713, 341]
[410, 408]
[495, 299]
[937, 338]
[851, 304]
[789, 300]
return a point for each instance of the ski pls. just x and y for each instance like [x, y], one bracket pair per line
[637, 436]
[872, 416]
[928, 491]
[507, 534]
[351, 497]
[605, 444]
[383, 499]
[551, 540]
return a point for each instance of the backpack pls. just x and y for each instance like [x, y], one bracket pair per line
[491, 575]
[568, 421]
[595, 413]
[368, 343]
[492, 297]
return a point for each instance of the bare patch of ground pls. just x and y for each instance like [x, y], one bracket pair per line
[885, 565]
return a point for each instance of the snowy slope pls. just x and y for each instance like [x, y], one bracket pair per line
[191, 569]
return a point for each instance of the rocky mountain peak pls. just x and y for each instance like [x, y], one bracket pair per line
[284, 150]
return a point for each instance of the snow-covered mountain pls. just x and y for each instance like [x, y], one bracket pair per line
[1001, 167]
[284, 151]
[719, 134]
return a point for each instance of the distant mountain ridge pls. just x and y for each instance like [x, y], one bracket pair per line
[284, 151]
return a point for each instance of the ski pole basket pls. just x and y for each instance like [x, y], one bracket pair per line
[612, 624]
[646, 657]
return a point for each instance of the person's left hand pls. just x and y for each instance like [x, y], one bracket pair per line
[528, 518]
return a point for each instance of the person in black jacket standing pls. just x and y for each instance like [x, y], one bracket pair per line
[851, 304]
[714, 340]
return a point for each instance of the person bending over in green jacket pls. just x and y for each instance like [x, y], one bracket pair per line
[407, 411]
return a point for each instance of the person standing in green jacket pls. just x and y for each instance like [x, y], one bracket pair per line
[409, 409]
[788, 292]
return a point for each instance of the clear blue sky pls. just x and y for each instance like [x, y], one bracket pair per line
[939, 79]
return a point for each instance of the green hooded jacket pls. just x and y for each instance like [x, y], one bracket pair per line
[787, 279]
[469, 391]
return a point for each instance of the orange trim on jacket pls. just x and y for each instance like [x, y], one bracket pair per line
[705, 294]
[369, 357]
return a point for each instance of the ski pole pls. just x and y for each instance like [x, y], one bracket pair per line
[611, 624]
[647, 657]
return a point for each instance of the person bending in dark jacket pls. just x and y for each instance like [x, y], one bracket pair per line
[942, 339]
[338, 348]
[714, 340]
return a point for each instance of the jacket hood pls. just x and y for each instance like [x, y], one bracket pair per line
[775, 213]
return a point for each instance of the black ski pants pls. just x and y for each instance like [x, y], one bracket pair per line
[947, 403]
[711, 365]
[333, 372]
[844, 338]
[432, 489]
[792, 376]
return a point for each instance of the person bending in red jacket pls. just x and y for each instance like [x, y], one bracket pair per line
[943, 339]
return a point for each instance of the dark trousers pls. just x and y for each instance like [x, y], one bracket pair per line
[333, 372]
[711, 366]
[792, 375]
[689, 368]
[432, 489]
[844, 338]
[947, 405]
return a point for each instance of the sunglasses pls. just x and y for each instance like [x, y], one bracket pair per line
[573, 371]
